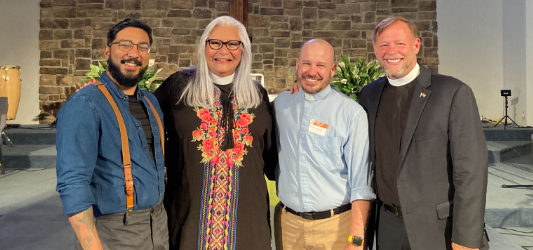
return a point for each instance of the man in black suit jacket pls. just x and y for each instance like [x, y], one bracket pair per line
[427, 150]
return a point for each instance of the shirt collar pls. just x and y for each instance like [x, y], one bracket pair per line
[406, 79]
[318, 96]
[113, 88]
[222, 80]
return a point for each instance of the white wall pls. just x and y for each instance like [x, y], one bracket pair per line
[529, 62]
[488, 44]
[19, 45]
[514, 57]
[470, 49]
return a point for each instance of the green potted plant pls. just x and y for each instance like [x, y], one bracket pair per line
[350, 79]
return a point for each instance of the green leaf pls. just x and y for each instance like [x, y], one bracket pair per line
[102, 67]
[94, 68]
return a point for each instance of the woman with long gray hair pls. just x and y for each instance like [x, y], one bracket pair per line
[220, 144]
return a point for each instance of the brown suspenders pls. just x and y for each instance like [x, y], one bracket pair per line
[126, 159]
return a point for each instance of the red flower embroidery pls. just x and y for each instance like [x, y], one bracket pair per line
[197, 133]
[211, 135]
[244, 119]
[208, 144]
[249, 139]
[205, 115]
[239, 148]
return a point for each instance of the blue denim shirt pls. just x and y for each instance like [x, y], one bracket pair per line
[89, 154]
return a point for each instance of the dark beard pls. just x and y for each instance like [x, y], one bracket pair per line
[122, 79]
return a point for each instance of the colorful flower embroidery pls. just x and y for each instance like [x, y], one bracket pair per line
[220, 192]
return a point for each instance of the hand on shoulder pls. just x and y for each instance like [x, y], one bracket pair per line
[295, 88]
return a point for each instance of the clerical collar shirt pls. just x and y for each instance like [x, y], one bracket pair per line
[407, 78]
[323, 150]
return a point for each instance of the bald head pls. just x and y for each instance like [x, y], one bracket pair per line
[316, 65]
[319, 45]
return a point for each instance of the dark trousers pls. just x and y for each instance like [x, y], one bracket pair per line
[391, 232]
[145, 229]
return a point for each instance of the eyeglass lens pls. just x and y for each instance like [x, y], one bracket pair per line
[217, 44]
[143, 48]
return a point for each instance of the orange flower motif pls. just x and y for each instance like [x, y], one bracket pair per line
[245, 130]
[238, 148]
[208, 145]
[197, 133]
[203, 126]
[244, 120]
[205, 115]
[249, 139]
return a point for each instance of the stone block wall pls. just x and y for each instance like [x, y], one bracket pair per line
[73, 34]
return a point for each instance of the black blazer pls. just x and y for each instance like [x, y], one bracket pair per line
[442, 172]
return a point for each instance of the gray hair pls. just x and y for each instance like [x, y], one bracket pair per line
[381, 26]
[199, 91]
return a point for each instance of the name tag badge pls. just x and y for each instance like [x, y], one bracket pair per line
[318, 128]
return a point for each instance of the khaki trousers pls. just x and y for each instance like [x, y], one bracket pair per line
[295, 233]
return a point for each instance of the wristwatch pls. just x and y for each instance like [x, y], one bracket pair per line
[356, 240]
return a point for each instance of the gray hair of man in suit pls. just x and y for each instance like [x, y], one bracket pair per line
[396, 44]
[381, 26]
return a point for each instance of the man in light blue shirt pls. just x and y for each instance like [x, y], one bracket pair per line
[323, 160]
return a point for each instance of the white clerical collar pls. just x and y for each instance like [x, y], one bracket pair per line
[222, 80]
[406, 79]
[317, 96]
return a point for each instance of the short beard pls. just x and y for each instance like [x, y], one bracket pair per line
[325, 79]
[407, 63]
[122, 79]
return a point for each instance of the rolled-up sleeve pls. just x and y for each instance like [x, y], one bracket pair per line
[356, 157]
[77, 152]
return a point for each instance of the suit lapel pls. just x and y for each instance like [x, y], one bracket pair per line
[375, 97]
[415, 110]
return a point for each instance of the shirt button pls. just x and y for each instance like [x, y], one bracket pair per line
[139, 127]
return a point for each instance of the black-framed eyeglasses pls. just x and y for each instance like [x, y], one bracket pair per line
[217, 44]
[126, 45]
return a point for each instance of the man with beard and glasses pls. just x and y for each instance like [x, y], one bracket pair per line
[322, 180]
[110, 150]
[427, 149]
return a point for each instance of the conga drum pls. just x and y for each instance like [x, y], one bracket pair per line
[10, 88]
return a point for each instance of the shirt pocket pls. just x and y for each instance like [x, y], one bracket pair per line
[328, 151]
[444, 210]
